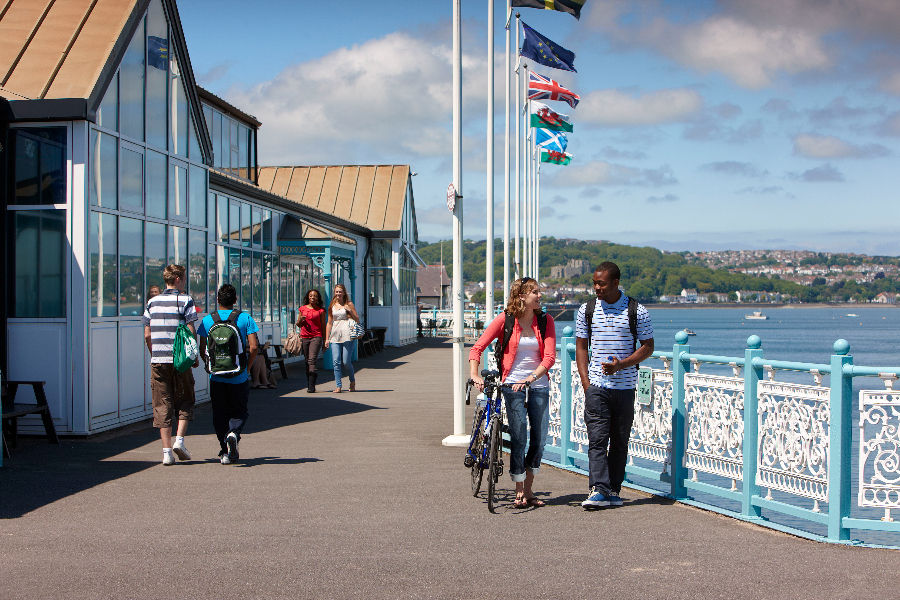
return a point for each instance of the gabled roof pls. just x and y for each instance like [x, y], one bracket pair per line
[293, 228]
[431, 280]
[369, 195]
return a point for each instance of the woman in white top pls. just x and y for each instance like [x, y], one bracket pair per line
[339, 337]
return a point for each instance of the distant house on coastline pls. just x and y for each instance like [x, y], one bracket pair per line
[573, 268]
[689, 296]
[885, 298]
[433, 286]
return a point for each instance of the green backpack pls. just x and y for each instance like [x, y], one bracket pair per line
[184, 349]
[224, 347]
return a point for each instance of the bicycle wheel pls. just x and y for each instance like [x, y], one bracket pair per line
[477, 450]
[494, 460]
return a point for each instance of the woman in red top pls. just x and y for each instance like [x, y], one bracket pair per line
[311, 321]
[526, 360]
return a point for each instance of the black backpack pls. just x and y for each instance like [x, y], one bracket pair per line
[508, 323]
[591, 305]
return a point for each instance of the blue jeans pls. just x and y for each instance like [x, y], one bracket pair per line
[519, 415]
[342, 353]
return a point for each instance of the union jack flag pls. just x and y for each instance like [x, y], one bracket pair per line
[544, 88]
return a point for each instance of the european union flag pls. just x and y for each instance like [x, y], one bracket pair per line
[545, 51]
[157, 52]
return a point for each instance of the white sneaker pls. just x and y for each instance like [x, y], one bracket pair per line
[224, 459]
[168, 458]
[180, 451]
[231, 441]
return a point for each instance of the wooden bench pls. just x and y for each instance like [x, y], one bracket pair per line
[278, 359]
[12, 411]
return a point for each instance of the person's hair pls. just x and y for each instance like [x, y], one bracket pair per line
[306, 298]
[173, 272]
[226, 296]
[516, 303]
[611, 268]
[153, 291]
[334, 296]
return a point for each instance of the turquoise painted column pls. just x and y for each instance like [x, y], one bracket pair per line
[679, 415]
[567, 356]
[839, 442]
[750, 450]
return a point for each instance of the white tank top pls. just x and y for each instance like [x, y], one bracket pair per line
[527, 360]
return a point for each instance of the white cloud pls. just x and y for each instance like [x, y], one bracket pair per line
[891, 84]
[616, 108]
[826, 146]
[600, 172]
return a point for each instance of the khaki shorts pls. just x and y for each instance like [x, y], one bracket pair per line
[173, 392]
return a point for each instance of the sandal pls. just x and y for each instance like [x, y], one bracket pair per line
[336, 391]
[352, 386]
[520, 503]
[535, 501]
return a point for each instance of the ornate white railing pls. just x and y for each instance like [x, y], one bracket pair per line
[715, 421]
[651, 430]
[879, 450]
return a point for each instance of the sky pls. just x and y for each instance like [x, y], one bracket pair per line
[703, 125]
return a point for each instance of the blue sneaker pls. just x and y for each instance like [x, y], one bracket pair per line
[615, 500]
[595, 500]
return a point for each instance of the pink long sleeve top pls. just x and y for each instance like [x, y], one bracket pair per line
[546, 345]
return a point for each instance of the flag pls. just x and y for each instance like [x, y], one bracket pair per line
[551, 140]
[557, 158]
[573, 7]
[546, 118]
[545, 51]
[157, 52]
[544, 88]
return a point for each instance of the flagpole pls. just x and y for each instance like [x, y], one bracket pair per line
[459, 437]
[489, 245]
[518, 265]
[524, 143]
[506, 154]
[529, 183]
[537, 221]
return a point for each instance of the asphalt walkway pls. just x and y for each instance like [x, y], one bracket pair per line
[353, 496]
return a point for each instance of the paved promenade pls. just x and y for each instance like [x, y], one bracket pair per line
[353, 496]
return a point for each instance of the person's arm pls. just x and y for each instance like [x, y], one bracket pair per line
[148, 339]
[351, 310]
[581, 360]
[202, 340]
[491, 332]
[253, 342]
[328, 329]
[300, 317]
[641, 354]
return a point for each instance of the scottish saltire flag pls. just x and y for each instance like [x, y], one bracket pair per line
[573, 7]
[542, 49]
[557, 158]
[551, 140]
[546, 118]
[544, 88]
[157, 52]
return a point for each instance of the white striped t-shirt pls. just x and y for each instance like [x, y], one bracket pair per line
[163, 314]
[611, 336]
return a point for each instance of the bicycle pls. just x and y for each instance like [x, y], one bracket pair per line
[484, 451]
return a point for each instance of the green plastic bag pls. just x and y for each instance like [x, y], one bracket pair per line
[184, 350]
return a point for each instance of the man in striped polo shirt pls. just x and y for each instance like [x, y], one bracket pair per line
[609, 381]
[173, 392]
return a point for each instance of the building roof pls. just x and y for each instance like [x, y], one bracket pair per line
[293, 228]
[431, 279]
[227, 108]
[369, 195]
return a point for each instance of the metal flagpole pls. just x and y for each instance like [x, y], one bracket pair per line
[454, 197]
[537, 221]
[524, 141]
[506, 153]
[489, 245]
[518, 264]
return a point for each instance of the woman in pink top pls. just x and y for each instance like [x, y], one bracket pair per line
[311, 321]
[526, 360]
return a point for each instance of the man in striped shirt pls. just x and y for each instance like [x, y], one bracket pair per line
[173, 392]
[609, 381]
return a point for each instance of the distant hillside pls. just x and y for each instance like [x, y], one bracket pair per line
[648, 273]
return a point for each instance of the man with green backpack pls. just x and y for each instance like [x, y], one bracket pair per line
[228, 343]
[171, 383]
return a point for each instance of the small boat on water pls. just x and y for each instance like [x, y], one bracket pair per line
[852, 315]
[689, 331]
[756, 315]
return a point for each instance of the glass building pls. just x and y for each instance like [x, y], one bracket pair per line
[114, 163]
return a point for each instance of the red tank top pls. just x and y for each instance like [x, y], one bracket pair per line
[312, 326]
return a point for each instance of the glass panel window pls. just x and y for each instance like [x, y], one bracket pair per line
[257, 286]
[131, 90]
[40, 168]
[177, 249]
[211, 277]
[131, 273]
[234, 272]
[222, 219]
[104, 265]
[197, 268]
[39, 277]
[243, 156]
[257, 227]
[245, 225]
[156, 182]
[178, 132]
[217, 137]
[104, 170]
[246, 278]
[132, 177]
[195, 153]
[155, 249]
[178, 192]
[222, 268]
[252, 143]
[267, 230]
[270, 290]
[234, 145]
[157, 75]
[208, 117]
[108, 114]
[234, 220]
[197, 201]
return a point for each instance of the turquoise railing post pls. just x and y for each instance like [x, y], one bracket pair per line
[567, 354]
[679, 414]
[752, 375]
[839, 442]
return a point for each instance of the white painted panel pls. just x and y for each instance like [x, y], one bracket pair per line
[104, 376]
[38, 352]
[132, 362]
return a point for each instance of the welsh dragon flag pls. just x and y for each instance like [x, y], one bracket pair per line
[547, 118]
[557, 158]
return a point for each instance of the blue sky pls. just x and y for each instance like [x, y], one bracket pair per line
[702, 125]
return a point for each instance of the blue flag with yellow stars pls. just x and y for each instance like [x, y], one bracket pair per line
[545, 51]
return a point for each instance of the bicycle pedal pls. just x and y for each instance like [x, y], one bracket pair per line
[468, 461]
